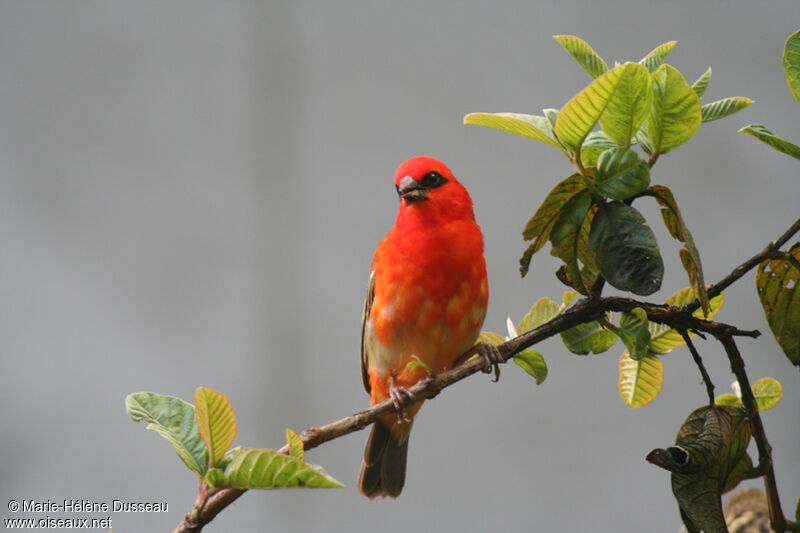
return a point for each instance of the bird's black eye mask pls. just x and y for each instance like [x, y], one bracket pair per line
[414, 191]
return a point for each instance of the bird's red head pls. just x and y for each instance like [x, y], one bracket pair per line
[428, 188]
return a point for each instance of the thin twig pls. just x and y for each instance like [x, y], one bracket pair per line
[699, 362]
[745, 267]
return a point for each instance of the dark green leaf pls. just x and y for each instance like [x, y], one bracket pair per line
[173, 419]
[627, 251]
[566, 236]
[593, 145]
[776, 141]
[621, 174]
[777, 281]
[707, 459]
[581, 52]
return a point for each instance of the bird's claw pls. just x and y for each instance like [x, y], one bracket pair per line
[400, 396]
[491, 358]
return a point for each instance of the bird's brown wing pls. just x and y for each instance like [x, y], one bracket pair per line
[364, 355]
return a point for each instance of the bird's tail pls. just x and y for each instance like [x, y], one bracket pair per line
[383, 471]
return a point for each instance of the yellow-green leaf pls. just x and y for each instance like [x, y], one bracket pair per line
[723, 108]
[768, 392]
[640, 381]
[296, 446]
[216, 422]
[776, 141]
[491, 338]
[675, 114]
[581, 52]
[699, 87]
[254, 468]
[533, 363]
[628, 106]
[791, 64]
[530, 126]
[689, 254]
[777, 282]
[541, 312]
[654, 59]
[578, 116]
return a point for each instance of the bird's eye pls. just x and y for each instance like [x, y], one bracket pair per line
[433, 179]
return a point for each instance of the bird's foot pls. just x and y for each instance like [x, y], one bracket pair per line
[491, 358]
[400, 396]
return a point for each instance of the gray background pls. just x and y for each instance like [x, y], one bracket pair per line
[191, 193]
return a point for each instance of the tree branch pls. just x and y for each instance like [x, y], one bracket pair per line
[776, 517]
[585, 310]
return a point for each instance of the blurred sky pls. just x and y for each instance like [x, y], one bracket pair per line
[191, 193]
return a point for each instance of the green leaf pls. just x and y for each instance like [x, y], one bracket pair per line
[588, 338]
[530, 126]
[777, 281]
[533, 363]
[776, 141]
[216, 422]
[565, 235]
[675, 114]
[578, 116]
[699, 87]
[542, 311]
[581, 52]
[173, 419]
[491, 338]
[215, 477]
[664, 339]
[689, 254]
[253, 468]
[654, 59]
[296, 446]
[621, 174]
[542, 222]
[593, 145]
[768, 392]
[791, 64]
[723, 108]
[634, 332]
[628, 106]
[627, 251]
[729, 400]
[640, 381]
[416, 362]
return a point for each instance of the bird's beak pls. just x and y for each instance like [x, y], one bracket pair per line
[411, 190]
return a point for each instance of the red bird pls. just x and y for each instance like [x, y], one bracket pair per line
[427, 298]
